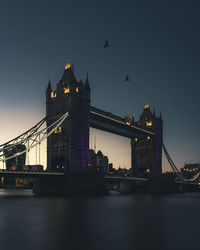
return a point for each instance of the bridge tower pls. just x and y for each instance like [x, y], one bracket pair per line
[147, 152]
[68, 146]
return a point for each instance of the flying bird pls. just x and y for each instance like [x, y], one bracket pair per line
[127, 79]
[106, 45]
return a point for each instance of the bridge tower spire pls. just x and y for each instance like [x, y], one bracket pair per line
[68, 147]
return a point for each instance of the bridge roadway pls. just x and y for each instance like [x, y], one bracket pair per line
[109, 122]
[29, 174]
[127, 179]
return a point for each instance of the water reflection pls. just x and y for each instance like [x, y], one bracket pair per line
[110, 222]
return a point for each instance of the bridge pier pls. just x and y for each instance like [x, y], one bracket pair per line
[72, 183]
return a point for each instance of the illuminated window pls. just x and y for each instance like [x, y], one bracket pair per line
[62, 167]
[76, 89]
[149, 123]
[58, 130]
[57, 167]
[66, 90]
[13, 168]
[53, 94]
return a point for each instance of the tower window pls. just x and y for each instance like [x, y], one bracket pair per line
[66, 90]
[53, 94]
[149, 123]
[58, 130]
[77, 89]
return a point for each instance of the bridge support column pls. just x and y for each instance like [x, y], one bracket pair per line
[133, 165]
[157, 145]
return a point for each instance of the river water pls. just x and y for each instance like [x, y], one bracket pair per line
[120, 222]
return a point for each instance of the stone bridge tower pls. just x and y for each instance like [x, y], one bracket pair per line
[68, 146]
[147, 153]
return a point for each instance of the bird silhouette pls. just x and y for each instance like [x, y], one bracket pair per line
[106, 45]
[127, 79]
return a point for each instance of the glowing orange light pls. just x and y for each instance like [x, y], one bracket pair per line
[58, 130]
[67, 66]
[53, 94]
[66, 90]
[13, 168]
[149, 123]
[146, 106]
[77, 89]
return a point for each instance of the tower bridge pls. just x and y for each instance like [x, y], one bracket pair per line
[69, 147]
[69, 117]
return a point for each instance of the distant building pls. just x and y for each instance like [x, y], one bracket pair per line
[98, 161]
[92, 159]
[190, 170]
[110, 167]
[15, 163]
[102, 162]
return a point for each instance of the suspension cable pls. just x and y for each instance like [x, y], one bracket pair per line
[42, 135]
[175, 169]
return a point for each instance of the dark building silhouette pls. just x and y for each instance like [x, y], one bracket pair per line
[16, 163]
[98, 161]
[93, 160]
[68, 147]
[147, 152]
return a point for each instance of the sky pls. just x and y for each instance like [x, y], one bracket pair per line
[155, 42]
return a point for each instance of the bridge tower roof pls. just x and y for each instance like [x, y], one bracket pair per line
[68, 75]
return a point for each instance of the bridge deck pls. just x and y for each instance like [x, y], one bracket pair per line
[29, 173]
[109, 122]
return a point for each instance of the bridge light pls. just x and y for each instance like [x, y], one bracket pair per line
[148, 137]
[136, 139]
[128, 123]
[77, 89]
[66, 90]
[58, 130]
[149, 123]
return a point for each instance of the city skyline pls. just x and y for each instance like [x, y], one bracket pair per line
[158, 50]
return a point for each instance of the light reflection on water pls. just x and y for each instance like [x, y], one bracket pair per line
[109, 222]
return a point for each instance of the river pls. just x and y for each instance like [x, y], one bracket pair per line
[115, 221]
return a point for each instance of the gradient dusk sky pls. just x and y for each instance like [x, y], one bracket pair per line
[157, 43]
